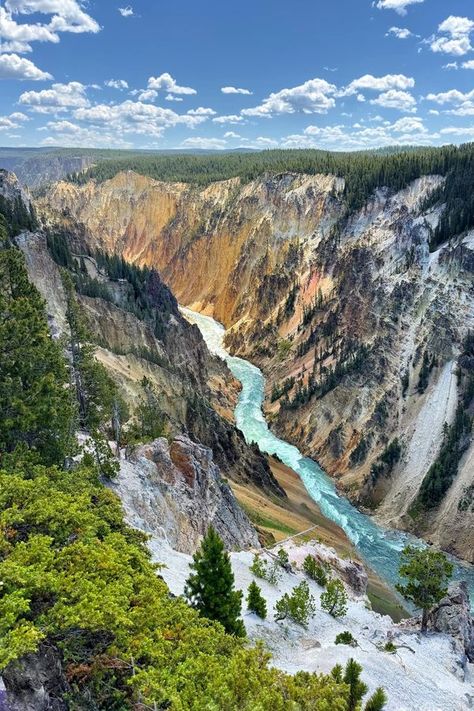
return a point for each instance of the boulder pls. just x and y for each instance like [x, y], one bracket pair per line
[453, 616]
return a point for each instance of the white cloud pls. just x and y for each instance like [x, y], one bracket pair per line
[66, 16]
[230, 118]
[468, 65]
[165, 82]
[116, 84]
[60, 97]
[458, 131]
[462, 103]
[399, 32]
[201, 111]
[170, 97]
[147, 95]
[451, 65]
[454, 37]
[453, 96]
[399, 6]
[231, 134]
[204, 143]
[404, 131]
[15, 46]
[8, 123]
[66, 133]
[313, 97]
[235, 90]
[14, 67]
[136, 117]
[392, 99]
[126, 11]
[368, 81]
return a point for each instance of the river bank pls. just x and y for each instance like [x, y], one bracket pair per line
[277, 519]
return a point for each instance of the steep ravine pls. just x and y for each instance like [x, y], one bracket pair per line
[305, 292]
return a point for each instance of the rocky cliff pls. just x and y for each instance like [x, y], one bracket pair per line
[356, 324]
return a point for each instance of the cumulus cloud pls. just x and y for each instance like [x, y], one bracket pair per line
[235, 90]
[404, 131]
[147, 95]
[384, 83]
[313, 97]
[14, 67]
[59, 98]
[201, 111]
[468, 65]
[66, 133]
[399, 6]
[15, 120]
[204, 143]
[165, 82]
[230, 118]
[453, 36]
[126, 11]
[459, 103]
[231, 134]
[136, 117]
[66, 16]
[392, 99]
[399, 32]
[170, 97]
[116, 84]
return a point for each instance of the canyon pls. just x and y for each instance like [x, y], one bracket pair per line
[358, 305]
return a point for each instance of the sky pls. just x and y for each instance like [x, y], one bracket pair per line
[216, 74]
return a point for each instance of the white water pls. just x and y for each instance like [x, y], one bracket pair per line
[378, 546]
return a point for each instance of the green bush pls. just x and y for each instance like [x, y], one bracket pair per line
[299, 606]
[316, 571]
[255, 601]
[334, 599]
[346, 638]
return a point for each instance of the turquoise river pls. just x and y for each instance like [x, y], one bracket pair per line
[380, 547]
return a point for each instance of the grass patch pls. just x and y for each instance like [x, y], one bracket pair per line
[266, 522]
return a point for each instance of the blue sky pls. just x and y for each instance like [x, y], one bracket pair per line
[336, 74]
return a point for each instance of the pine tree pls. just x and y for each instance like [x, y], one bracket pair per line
[334, 599]
[427, 573]
[255, 600]
[36, 408]
[357, 688]
[377, 701]
[210, 587]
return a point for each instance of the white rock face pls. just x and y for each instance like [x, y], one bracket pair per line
[175, 492]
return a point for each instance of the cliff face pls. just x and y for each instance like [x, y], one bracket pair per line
[356, 325]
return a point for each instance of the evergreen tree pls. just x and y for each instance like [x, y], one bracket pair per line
[357, 688]
[377, 701]
[299, 606]
[255, 600]
[427, 572]
[210, 587]
[334, 599]
[35, 404]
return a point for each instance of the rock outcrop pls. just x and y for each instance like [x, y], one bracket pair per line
[453, 616]
[36, 682]
[174, 490]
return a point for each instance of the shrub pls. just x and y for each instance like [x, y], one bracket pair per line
[316, 571]
[346, 638]
[255, 600]
[334, 600]
[299, 606]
